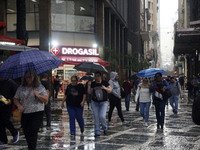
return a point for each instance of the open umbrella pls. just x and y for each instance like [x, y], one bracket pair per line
[90, 67]
[39, 61]
[149, 72]
[87, 77]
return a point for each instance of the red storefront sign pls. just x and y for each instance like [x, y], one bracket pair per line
[76, 55]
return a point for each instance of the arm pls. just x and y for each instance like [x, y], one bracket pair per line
[89, 89]
[108, 89]
[63, 101]
[42, 98]
[83, 101]
[137, 94]
[18, 104]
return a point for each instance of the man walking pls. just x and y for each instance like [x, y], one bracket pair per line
[175, 89]
[7, 89]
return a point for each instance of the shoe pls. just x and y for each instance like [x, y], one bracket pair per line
[105, 132]
[162, 127]
[96, 135]
[146, 124]
[72, 135]
[16, 138]
[82, 130]
[2, 144]
[158, 127]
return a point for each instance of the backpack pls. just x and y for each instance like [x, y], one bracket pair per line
[99, 94]
[196, 110]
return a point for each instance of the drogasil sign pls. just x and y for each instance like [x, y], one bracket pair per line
[81, 51]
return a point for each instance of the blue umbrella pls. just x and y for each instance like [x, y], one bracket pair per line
[149, 72]
[39, 61]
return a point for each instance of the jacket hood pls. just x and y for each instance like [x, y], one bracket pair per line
[113, 75]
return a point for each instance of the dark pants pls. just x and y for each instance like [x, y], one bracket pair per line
[47, 111]
[31, 123]
[160, 111]
[115, 102]
[6, 123]
[56, 90]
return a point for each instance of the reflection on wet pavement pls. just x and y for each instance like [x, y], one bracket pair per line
[179, 133]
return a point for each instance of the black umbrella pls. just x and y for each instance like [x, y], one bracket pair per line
[90, 67]
[87, 77]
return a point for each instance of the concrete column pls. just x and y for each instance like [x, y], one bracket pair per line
[100, 26]
[107, 28]
[3, 17]
[45, 24]
[118, 46]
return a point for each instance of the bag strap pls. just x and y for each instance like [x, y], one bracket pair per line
[29, 93]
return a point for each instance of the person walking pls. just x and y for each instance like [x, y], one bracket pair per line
[127, 86]
[137, 82]
[30, 99]
[75, 96]
[115, 96]
[194, 83]
[175, 89]
[99, 90]
[56, 85]
[144, 95]
[7, 89]
[159, 87]
[47, 107]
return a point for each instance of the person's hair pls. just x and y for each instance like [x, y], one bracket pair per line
[56, 76]
[98, 72]
[36, 81]
[74, 77]
[158, 74]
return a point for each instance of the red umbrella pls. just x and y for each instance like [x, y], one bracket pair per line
[4, 38]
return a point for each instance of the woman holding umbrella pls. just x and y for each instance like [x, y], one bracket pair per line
[30, 99]
[99, 90]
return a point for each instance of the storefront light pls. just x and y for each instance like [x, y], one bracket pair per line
[94, 45]
[54, 43]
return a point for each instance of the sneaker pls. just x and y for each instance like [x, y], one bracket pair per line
[2, 144]
[105, 132]
[16, 138]
[146, 124]
[96, 135]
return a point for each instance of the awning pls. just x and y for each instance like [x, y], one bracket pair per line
[187, 41]
[2, 24]
[15, 47]
[4, 38]
[75, 60]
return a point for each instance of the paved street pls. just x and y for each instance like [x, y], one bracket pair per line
[179, 133]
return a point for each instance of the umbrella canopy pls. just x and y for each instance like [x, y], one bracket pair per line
[39, 61]
[87, 77]
[149, 72]
[90, 67]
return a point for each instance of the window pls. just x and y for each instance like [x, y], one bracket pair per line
[73, 15]
[32, 15]
[149, 5]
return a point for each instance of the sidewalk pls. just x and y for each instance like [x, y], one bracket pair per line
[179, 133]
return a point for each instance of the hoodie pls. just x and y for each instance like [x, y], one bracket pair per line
[114, 85]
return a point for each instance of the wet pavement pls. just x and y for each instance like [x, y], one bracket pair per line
[179, 133]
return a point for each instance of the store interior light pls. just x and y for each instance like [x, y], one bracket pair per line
[55, 43]
[94, 45]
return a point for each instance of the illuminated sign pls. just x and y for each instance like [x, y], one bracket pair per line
[75, 51]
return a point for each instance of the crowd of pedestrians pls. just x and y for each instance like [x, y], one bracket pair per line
[33, 96]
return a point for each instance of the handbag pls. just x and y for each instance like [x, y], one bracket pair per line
[17, 115]
[166, 94]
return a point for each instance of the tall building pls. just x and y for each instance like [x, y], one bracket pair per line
[187, 37]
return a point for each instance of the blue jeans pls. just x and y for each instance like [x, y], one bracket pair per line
[99, 110]
[174, 103]
[160, 111]
[127, 101]
[75, 113]
[144, 110]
